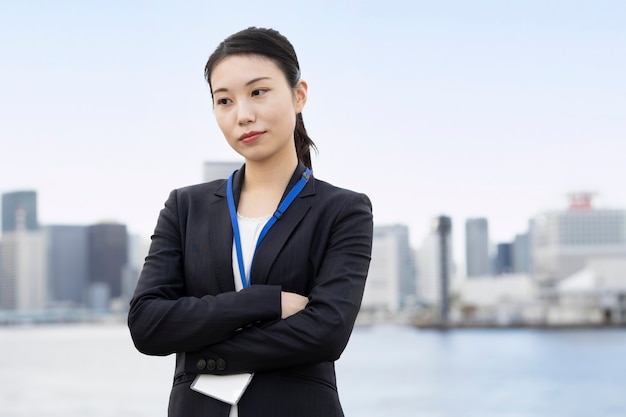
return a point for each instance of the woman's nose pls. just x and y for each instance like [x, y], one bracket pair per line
[245, 113]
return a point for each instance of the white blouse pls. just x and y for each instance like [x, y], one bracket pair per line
[249, 231]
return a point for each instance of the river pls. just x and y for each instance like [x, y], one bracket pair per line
[387, 370]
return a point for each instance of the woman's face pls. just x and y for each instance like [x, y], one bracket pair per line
[255, 107]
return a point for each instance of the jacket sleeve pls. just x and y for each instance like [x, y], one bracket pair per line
[321, 331]
[164, 319]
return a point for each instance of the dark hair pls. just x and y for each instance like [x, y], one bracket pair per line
[270, 44]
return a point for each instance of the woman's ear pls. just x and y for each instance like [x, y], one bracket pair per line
[300, 95]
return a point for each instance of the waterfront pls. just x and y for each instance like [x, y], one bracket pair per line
[80, 370]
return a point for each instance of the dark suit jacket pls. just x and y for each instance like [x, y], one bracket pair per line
[185, 301]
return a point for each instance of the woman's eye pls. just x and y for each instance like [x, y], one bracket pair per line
[222, 101]
[258, 92]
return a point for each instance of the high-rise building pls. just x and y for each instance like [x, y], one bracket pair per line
[477, 247]
[521, 254]
[138, 248]
[503, 261]
[436, 264]
[562, 242]
[23, 271]
[107, 259]
[67, 265]
[391, 281]
[19, 210]
[216, 170]
[22, 254]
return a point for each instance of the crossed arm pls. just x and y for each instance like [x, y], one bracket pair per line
[276, 328]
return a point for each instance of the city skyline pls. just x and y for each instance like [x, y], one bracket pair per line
[466, 110]
[459, 231]
[576, 251]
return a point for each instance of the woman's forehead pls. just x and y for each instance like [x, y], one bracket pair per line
[236, 69]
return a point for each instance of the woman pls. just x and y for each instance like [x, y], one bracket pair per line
[262, 273]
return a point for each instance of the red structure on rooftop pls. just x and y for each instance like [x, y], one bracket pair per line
[580, 200]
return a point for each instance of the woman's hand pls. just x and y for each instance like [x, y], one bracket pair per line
[291, 303]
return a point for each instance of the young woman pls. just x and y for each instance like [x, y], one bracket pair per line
[263, 273]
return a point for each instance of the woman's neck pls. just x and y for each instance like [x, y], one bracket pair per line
[263, 186]
[263, 175]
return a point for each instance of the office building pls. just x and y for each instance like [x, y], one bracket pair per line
[138, 248]
[67, 265]
[22, 254]
[521, 254]
[215, 170]
[22, 204]
[562, 242]
[107, 259]
[23, 271]
[477, 247]
[503, 260]
[436, 265]
[391, 281]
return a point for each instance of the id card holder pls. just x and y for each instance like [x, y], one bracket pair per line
[226, 388]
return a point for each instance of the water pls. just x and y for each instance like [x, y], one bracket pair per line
[94, 371]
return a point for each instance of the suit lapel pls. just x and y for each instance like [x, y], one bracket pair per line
[221, 241]
[278, 235]
[221, 234]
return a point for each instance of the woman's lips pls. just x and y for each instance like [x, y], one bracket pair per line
[249, 137]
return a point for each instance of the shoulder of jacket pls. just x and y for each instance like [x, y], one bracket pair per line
[202, 188]
[203, 192]
[330, 189]
[338, 198]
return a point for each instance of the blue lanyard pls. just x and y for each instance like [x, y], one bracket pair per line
[293, 193]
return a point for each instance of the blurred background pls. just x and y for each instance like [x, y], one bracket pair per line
[486, 134]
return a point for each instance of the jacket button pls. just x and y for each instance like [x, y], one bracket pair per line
[210, 365]
[201, 364]
[221, 364]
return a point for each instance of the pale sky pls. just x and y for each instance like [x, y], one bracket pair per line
[466, 108]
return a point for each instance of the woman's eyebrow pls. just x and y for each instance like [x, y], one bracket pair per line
[252, 81]
[256, 79]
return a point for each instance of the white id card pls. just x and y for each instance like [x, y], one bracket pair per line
[227, 388]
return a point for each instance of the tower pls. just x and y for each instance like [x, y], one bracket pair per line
[391, 281]
[436, 265]
[443, 228]
[107, 259]
[477, 247]
[67, 264]
[22, 254]
[19, 208]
